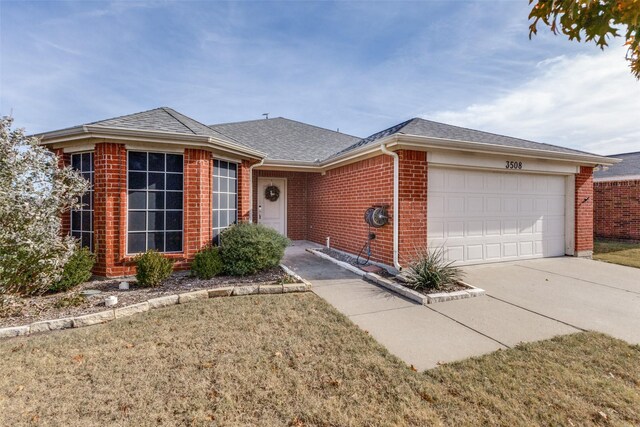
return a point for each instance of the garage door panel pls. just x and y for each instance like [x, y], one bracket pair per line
[480, 216]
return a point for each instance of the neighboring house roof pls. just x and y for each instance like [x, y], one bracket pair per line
[427, 128]
[628, 168]
[285, 139]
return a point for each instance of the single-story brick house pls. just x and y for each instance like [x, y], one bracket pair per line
[617, 199]
[165, 181]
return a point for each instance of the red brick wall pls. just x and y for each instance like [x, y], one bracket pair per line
[584, 210]
[244, 206]
[413, 203]
[617, 209]
[338, 200]
[109, 209]
[297, 223]
[198, 173]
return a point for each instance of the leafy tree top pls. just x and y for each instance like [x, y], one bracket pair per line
[593, 20]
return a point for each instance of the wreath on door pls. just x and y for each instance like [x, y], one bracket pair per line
[272, 193]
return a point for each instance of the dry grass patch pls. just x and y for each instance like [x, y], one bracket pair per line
[623, 253]
[294, 360]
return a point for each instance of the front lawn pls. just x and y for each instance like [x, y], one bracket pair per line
[294, 360]
[623, 253]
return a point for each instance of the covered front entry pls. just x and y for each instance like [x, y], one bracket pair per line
[483, 216]
[272, 203]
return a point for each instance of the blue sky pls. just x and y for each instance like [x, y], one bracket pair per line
[356, 66]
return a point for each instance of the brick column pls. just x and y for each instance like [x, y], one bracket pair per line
[412, 201]
[64, 160]
[584, 213]
[244, 186]
[109, 208]
[198, 174]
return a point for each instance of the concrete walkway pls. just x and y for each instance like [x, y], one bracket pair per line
[422, 336]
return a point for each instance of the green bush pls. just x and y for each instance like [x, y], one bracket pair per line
[207, 263]
[76, 270]
[430, 271]
[152, 268]
[250, 248]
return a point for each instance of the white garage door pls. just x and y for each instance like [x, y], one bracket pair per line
[480, 217]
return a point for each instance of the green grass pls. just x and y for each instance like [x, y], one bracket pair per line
[277, 360]
[623, 253]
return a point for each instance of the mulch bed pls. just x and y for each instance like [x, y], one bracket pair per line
[21, 311]
[340, 256]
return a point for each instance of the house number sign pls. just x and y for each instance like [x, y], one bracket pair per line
[513, 165]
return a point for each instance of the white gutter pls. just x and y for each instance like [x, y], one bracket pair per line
[255, 165]
[396, 213]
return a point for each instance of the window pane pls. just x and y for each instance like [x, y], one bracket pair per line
[86, 200]
[233, 201]
[174, 200]
[223, 168]
[137, 199]
[174, 241]
[75, 220]
[137, 221]
[156, 161]
[174, 181]
[216, 167]
[86, 240]
[174, 220]
[224, 221]
[137, 161]
[215, 219]
[86, 162]
[76, 161]
[76, 235]
[156, 200]
[86, 220]
[137, 180]
[233, 170]
[137, 243]
[156, 220]
[174, 162]
[156, 181]
[223, 202]
[155, 241]
[224, 185]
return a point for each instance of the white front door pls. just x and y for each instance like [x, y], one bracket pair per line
[480, 216]
[273, 213]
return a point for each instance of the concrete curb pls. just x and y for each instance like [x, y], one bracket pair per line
[403, 290]
[152, 304]
[292, 273]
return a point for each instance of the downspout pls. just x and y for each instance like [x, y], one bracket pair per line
[396, 213]
[260, 163]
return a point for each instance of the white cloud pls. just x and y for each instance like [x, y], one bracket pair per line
[587, 102]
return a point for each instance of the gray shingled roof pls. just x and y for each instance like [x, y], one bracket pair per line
[422, 127]
[285, 139]
[161, 119]
[629, 166]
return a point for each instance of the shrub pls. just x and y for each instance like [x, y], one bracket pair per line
[76, 270]
[250, 248]
[430, 271]
[152, 268]
[34, 195]
[207, 263]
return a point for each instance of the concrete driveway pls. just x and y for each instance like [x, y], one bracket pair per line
[525, 301]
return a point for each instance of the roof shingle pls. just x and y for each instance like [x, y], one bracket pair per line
[629, 166]
[285, 139]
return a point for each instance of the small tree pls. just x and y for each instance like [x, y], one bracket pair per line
[34, 194]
